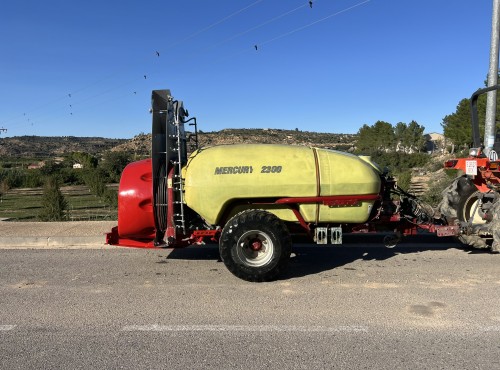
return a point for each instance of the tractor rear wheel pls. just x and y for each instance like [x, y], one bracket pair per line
[461, 203]
[469, 208]
[255, 245]
[495, 227]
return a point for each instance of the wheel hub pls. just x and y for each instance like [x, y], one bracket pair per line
[256, 245]
[256, 248]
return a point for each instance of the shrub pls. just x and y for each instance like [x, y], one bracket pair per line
[54, 205]
[4, 187]
[111, 198]
[404, 179]
[95, 180]
[434, 194]
[113, 164]
[400, 161]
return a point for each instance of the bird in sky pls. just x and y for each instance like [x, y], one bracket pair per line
[310, 4]
[157, 53]
[255, 46]
[144, 76]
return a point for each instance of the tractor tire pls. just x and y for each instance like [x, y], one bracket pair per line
[255, 245]
[458, 205]
[495, 227]
[452, 196]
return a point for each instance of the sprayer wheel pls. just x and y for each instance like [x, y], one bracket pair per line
[255, 245]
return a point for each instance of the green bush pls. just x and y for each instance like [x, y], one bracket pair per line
[113, 164]
[70, 176]
[32, 179]
[433, 195]
[54, 205]
[404, 179]
[18, 178]
[111, 198]
[400, 161]
[435, 166]
[95, 180]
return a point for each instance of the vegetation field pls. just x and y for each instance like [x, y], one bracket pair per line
[25, 204]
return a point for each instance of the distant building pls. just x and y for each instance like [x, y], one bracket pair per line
[78, 166]
[435, 142]
[36, 166]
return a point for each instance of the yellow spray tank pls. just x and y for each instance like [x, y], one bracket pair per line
[253, 199]
[224, 180]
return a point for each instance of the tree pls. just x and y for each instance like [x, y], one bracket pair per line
[95, 179]
[54, 205]
[376, 138]
[365, 141]
[457, 126]
[400, 133]
[50, 167]
[113, 164]
[4, 188]
[414, 137]
[86, 160]
[409, 137]
[385, 135]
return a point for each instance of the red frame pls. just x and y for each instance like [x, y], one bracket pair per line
[175, 240]
[488, 172]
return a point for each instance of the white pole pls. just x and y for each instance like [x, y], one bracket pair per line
[491, 101]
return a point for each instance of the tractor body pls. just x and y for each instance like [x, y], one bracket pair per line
[472, 201]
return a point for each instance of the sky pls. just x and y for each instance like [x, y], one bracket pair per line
[87, 68]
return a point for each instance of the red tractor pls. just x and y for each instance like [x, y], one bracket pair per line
[472, 200]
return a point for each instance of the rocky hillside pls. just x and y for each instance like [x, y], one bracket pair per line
[53, 146]
[141, 144]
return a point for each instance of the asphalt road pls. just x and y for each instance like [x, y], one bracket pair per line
[427, 304]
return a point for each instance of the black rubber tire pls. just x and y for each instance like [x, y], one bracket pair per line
[458, 201]
[271, 234]
[456, 205]
[452, 196]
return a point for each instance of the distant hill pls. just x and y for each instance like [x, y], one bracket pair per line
[54, 146]
[141, 144]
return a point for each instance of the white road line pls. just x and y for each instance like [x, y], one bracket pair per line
[491, 328]
[247, 328]
[7, 327]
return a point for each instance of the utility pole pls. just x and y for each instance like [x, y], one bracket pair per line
[491, 100]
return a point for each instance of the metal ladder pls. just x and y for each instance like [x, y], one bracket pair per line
[177, 181]
[179, 136]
